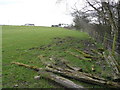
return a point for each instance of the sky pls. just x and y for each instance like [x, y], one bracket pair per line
[38, 12]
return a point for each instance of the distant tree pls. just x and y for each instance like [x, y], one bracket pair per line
[80, 19]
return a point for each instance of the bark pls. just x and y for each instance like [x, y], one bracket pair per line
[60, 80]
[84, 78]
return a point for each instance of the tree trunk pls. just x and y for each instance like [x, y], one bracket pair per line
[60, 80]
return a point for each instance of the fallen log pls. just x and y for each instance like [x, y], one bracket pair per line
[27, 66]
[60, 80]
[84, 78]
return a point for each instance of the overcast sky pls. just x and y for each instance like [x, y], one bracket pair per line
[38, 12]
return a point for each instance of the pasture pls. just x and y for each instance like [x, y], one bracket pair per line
[24, 44]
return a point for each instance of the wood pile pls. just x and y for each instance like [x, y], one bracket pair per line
[62, 74]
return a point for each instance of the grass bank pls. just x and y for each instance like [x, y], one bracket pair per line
[25, 43]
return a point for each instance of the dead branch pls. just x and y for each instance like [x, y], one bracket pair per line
[59, 79]
[27, 66]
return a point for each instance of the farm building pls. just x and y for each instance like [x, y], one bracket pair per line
[29, 24]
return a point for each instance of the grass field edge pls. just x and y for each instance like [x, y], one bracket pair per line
[0, 57]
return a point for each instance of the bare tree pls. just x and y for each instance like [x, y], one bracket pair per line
[107, 12]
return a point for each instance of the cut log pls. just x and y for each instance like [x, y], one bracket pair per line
[60, 80]
[84, 78]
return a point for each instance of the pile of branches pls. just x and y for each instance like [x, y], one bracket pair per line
[61, 73]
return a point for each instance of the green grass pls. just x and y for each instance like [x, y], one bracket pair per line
[17, 41]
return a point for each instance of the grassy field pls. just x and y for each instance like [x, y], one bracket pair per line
[25, 43]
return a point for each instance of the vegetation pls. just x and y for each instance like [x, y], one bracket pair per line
[19, 44]
[73, 54]
[25, 44]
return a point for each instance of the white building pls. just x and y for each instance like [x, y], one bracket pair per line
[28, 24]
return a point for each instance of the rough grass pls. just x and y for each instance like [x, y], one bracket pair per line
[25, 43]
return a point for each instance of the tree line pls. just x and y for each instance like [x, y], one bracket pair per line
[101, 19]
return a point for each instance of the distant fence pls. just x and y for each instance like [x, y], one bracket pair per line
[101, 33]
[106, 40]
